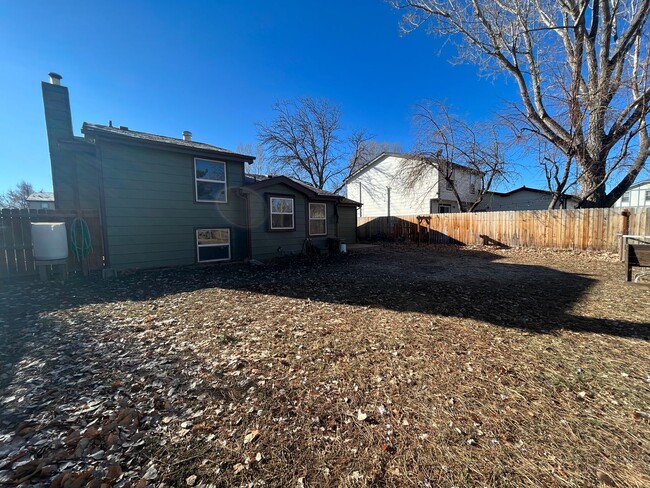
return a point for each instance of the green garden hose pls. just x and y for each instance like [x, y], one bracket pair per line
[80, 242]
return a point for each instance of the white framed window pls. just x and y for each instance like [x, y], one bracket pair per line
[282, 214]
[317, 219]
[626, 197]
[212, 245]
[647, 195]
[210, 181]
[472, 184]
[449, 184]
[444, 208]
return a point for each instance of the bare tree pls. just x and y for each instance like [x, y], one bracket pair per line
[17, 197]
[581, 68]
[260, 166]
[445, 142]
[307, 140]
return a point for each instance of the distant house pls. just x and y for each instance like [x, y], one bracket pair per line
[523, 198]
[168, 201]
[379, 185]
[637, 195]
[40, 200]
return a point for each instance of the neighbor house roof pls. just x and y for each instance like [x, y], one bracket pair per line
[258, 182]
[384, 155]
[41, 196]
[137, 136]
[525, 188]
[639, 184]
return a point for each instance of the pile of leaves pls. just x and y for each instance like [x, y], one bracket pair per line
[400, 366]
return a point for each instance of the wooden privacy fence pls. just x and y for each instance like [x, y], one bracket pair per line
[593, 229]
[16, 255]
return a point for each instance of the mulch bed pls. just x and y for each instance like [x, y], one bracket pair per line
[395, 366]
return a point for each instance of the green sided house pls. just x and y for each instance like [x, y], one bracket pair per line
[165, 201]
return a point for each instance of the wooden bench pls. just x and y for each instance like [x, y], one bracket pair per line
[637, 255]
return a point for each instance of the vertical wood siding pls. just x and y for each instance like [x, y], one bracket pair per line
[16, 253]
[588, 229]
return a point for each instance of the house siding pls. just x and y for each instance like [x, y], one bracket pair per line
[267, 244]
[370, 187]
[637, 196]
[348, 224]
[519, 200]
[150, 209]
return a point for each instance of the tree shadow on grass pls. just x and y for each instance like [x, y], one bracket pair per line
[452, 282]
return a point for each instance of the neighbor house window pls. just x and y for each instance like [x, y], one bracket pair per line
[282, 213]
[443, 208]
[472, 184]
[212, 245]
[317, 219]
[626, 197]
[450, 184]
[647, 195]
[210, 180]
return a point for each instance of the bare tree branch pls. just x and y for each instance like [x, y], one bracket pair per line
[306, 140]
[581, 67]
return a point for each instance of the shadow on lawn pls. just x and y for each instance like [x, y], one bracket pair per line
[452, 282]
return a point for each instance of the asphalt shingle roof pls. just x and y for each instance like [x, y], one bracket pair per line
[41, 196]
[145, 136]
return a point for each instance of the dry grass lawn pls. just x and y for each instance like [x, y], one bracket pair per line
[396, 366]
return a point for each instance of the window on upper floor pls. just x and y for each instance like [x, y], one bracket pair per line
[210, 181]
[647, 196]
[317, 219]
[472, 184]
[212, 245]
[626, 197]
[282, 213]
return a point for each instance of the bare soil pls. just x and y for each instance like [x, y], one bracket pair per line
[394, 366]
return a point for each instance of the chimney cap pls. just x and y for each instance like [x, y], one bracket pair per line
[187, 135]
[55, 78]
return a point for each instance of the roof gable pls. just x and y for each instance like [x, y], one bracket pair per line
[405, 157]
[258, 182]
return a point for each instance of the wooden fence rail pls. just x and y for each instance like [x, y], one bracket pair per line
[593, 229]
[16, 254]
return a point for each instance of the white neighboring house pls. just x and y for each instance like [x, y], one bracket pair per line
[636, 196]
[379, 186]
[40, 200]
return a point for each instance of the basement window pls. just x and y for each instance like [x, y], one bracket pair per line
[212, 245]
[317, 219]
[210, 181]
[282, 213]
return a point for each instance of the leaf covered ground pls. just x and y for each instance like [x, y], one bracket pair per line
[395, 366]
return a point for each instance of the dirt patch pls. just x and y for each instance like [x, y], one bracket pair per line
[398, 366]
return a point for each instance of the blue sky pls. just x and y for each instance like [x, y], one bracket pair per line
[217, 67]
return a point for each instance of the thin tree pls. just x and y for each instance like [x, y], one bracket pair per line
[260, 165]
[445, 144]
[307, 140]
[581, 69]
[17, 196]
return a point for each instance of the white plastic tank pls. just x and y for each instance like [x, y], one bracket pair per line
[50, 241]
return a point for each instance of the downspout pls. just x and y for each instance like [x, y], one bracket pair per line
[249, 233]
[336, 217]
[102, 204]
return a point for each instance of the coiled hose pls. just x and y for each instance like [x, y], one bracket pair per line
[80, 241]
